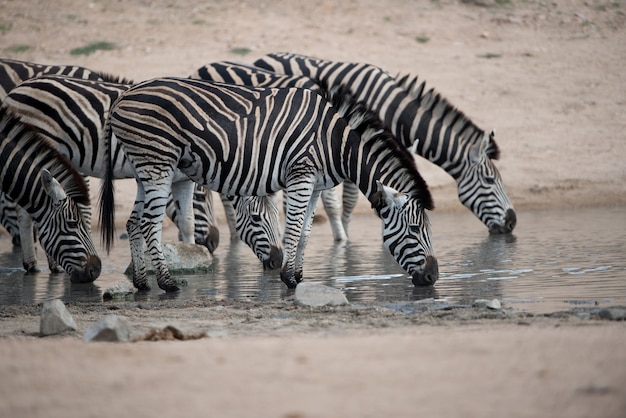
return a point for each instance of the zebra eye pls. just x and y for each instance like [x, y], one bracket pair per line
[416, 229]
[72, 224]
[255, 218]
[490, 180]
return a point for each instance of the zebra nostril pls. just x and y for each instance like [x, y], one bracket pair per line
[275, 259]
[510, 219]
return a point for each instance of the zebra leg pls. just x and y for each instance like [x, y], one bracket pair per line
[306, 231]
[206, 231]
[135, 238]
[333, 209]
[297, 201]
[156, 194]
[349, 198]
[27, 239]
[231, 217]
[182, 193]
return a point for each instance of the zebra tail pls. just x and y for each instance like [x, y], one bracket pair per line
[107, 192]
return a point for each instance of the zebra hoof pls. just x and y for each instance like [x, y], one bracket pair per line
[169, 288]
[141, 287]
[289, 280]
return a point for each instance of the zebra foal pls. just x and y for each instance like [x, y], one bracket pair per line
[422, 120]
[254, 141]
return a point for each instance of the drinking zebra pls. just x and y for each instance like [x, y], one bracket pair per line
[71, 114]
[13, 72]
[46, 186]
[253, 141]
[421, 120]
[246, 75]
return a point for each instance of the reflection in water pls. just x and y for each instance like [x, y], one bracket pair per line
[555, 259]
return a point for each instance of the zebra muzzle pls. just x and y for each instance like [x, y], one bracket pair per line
[429, 275]
[90, 271]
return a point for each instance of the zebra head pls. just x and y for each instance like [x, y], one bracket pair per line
[64, 235]
[406, 233]
[258, 224]
[481, 190]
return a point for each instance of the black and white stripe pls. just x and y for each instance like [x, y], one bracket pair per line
[254, 141]
[48, 188]
[70, 112]
[422, 120]
[246, 75]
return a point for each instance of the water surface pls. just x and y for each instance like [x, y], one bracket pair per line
[555, 259]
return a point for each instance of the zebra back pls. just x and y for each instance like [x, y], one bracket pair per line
[444, 135]
[24, 151]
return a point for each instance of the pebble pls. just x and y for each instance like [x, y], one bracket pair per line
[486, 303]
[613, 314]
[111, 328]
[314, 294]
[123, 290]
[55, 318]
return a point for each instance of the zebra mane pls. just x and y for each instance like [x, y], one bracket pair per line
[432, 99]
[111, 78]
[368, 125]
[59, 166]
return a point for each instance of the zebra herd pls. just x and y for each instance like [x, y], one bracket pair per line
[288, 122]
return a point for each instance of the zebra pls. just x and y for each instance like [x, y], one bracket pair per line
[424, 121]
[240, 140]
[48, 188]
[13, 72]
[8, 218]
[71, 113]
[247, 75]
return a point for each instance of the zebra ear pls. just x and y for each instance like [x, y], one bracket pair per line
[478, 151]
[383, 196]
[52, 187]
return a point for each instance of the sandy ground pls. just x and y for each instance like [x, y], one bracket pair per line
[548, 76]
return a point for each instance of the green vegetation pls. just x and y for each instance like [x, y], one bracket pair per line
[93, 47]
[16, 49]
[490, 55]
[5, 27]
[240, 51]
[422, 39]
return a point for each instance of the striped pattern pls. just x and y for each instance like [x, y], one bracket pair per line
[44, 184]
[444, 135]
[71, 112]
[254, 141]
[246, 75]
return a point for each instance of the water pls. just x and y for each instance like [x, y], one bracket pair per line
[555, 259]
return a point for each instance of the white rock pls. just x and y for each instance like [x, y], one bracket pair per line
[486, 303]
[122, 290]
[313, 294]
[181, 258]
[108, 328]
[55, 318]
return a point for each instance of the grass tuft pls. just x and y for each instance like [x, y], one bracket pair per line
[93, 47]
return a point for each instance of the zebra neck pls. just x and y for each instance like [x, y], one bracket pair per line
[375, 159]
[410, 112]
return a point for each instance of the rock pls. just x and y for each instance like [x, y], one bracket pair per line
[181, 258]
[613, 314]
[108, 328]
[123, 290]
[55, 318]
[312, 294]
[485, 303]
